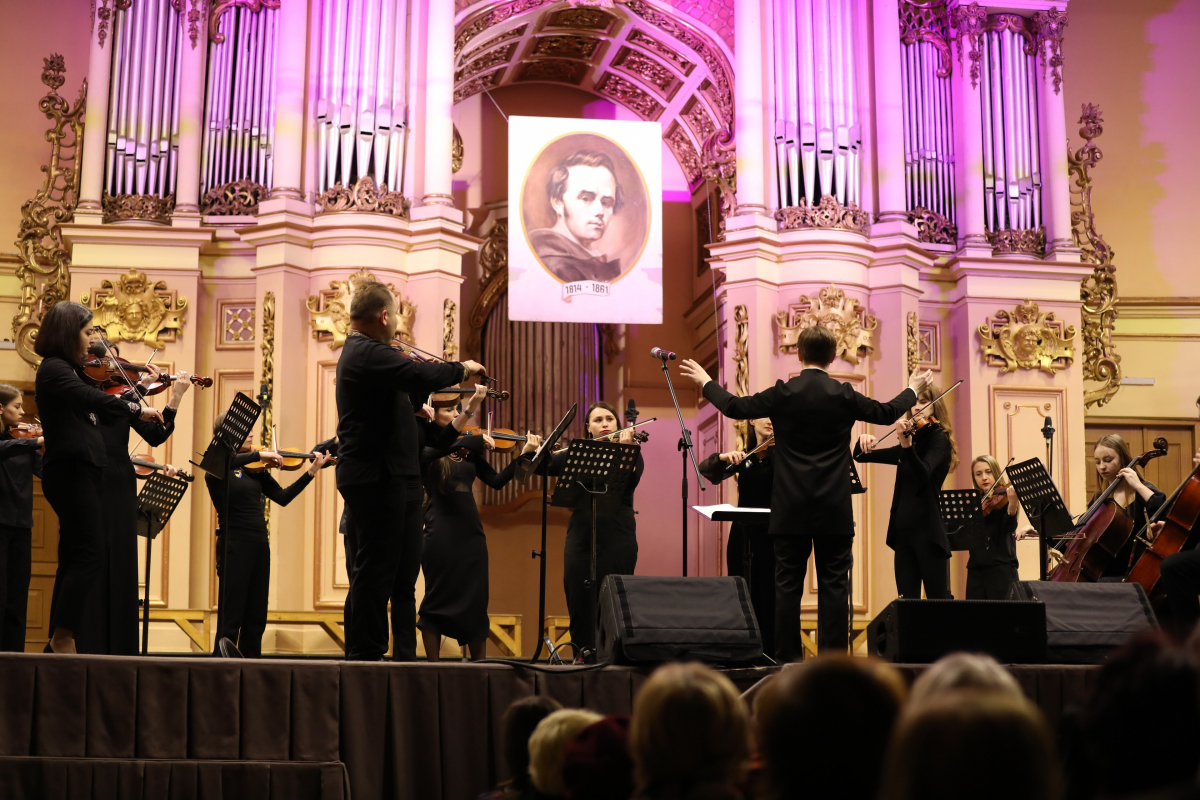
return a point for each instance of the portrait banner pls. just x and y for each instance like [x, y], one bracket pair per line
[585, 220]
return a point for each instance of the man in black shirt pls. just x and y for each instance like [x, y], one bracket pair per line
[813, 416]
[378, 472]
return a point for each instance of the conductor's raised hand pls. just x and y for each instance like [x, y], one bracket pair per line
[866, 442]
[920, 382]
[694, 372]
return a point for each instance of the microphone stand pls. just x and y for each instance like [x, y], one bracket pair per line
[685, 448]
[1043, 545]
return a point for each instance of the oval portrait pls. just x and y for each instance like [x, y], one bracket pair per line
[585, 209]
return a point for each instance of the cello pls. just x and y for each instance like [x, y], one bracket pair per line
[1181, 510]
[1102, 531]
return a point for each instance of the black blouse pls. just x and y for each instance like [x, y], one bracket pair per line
[920, 472]
[1001, 546]
[248, 493]
[19, 462]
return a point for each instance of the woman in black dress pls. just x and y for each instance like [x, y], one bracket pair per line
[242, 614]
[749, 541]
[915, 532]
[112, 622]
[75, 460]
[616, 533]
[992, 569]
[1138, 497]
[455, 560]
[19, 462]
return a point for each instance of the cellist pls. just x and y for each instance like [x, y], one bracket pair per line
[1137, 496]
[1180, 574]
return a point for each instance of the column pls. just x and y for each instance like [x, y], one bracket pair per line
[968, 144]
[889, 114]
[439, 105]
[750, 88]
[193, 56]
[289, 100]
[1056, 180]
[91, 179]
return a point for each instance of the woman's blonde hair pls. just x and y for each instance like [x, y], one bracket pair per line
[1119, 446]
[963, 671]
[994, 466]
[690, 729]
[548, 746]
[942, 412]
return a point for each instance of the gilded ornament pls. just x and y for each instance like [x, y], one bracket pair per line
[221, 6]
[928, 22]
[1101, 363]
[741, 367]
[195, 17]
[554, 70]
[1019, 241]
[493, 281]
[565, 46]
[449, 315]
[719, 166]
[329, 312]
[106, 12]
[1049, 26]
[456, 150]
[133, 309]
[268, 367]
[685, 152]
[648, 70]
[142, 207]
[932, 227]
[628, 95]
[647, 42]
[849, 321]
[829, 214]
[364, 195]
[44, 270]
[488, 61]
[970, 21]
[1026, 338]
[478, 84]
[914, 348]
[507, 36]
[236, 198]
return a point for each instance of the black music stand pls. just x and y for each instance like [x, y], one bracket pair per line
[1042, 503]
[962, 516]
[592, 469]
[156, 503]
[239, 421]
[540, 465]
[856, 485]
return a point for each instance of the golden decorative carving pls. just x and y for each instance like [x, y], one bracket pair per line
[970, 21]
[44, 270]
[456, 150]
[741, 367]
[1025, 338]
[105, 12]
[845, 317]
[329, 312]
[364, 195]
[1022, 241]
[268, 370]
[565, 46]
[235, 330]
[489, 60]
[914, 350]
[648, 70]
[829, 214]
[493, 281]
[1101, 364]
[644, 40]
[698, 120]
[581, 19]
[449, 314]
[719, 166]
[133, 309]
[144, 207]
[507, 36]
[932, 227]
[478, 84]
[1049, 27]
[195, 17]
[221, 6]
[240, 197]
[628, 95]
[685, 153]
[554, 70]
[928, 22]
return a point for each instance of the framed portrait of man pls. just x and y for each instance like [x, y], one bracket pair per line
[587, 244]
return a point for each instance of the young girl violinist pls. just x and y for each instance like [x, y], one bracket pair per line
[1137, 496]
[923, 458]
[19, 462]
[992, 568]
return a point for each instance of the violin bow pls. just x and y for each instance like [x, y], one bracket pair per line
[1003, 472]
[729, 468]
[920, 411]
[481, 376]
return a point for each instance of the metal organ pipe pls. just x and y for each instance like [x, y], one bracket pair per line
[928, 116]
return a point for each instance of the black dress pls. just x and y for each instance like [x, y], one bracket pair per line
[111, 626]
[455, 561]
[754, 491]
[19, 462]
[992, 569]
[616, 549]
[915, 530]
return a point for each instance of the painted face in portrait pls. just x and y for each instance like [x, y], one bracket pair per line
[587, 204]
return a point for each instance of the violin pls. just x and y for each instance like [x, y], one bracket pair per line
[919, 420]
[292, 461]
[144, 466]
[112, 372]
[493, 394]
[165, 380]
[640, 437]
[746, 462]
[504, 438]
[25, 430]
[992, 501]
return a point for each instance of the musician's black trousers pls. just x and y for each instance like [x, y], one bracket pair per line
[386, 527]
[15, 565]
[242, 617]
[834, 559]
[1181, 575]
[922, 563]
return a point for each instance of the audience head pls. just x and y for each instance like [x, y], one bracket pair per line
[1150, 690]
[963, 671]
[597, 765]
[548, 747]
[817, 346]
[520, 720]
[823, 727]
[690, 733]
[978, 743]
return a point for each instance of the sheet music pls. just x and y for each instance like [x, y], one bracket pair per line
[709, 511]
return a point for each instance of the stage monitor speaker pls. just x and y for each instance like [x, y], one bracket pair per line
[1086, 621]
[921, 631]
[647, 619]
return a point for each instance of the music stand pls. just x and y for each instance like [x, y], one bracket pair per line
[239, 421]
[856, 485]
[540, 464]
[592, 469]
[156, 503]
[1042, 503]
[962, 511]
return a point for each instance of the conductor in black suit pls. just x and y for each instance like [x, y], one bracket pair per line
[813, 416]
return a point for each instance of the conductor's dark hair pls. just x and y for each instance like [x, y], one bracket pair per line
[556, 186]
[817, 345]
[369, 299]
[59, 331]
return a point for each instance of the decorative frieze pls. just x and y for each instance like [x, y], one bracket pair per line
[237, 198]
[828, 214]
[849, 321]
[364, 195]
[1027, 338]
[1022, 242]
[141, 207]
[932, 227]
[329, 311]
[133, 309]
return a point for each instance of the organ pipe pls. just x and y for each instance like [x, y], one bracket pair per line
[926, 108]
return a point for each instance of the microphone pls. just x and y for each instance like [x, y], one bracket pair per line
[264, 395]
[1048, 428]
[631, 412]
[665, 355]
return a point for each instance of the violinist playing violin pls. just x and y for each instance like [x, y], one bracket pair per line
[242, 618]
[19, 462]
[749, 552]
[992, 568]
[925, 455]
